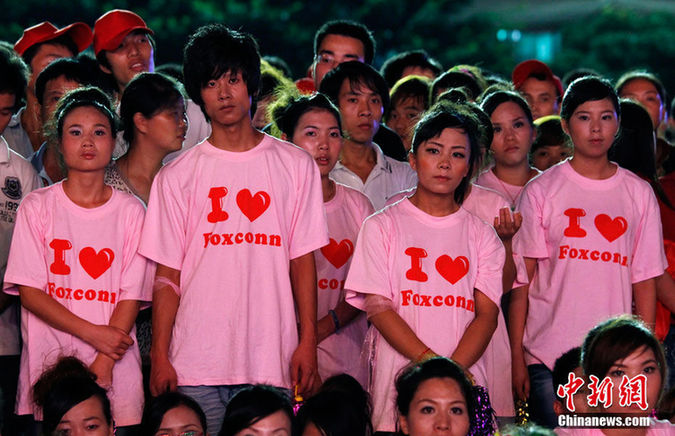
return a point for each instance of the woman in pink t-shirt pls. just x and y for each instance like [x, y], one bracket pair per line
[426, 271]
[74, 261]
[592, 244]
[513, 136]
[313, 123]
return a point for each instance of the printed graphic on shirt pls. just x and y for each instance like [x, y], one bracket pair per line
[451, 269]
[338, 253]
[94, 263]
[252, 206]
[12, 188]
[609, 228]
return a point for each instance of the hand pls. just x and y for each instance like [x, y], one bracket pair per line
[506, 226]
[304, 369]
[521, 379]
[109, 340]
[163, 377]
[102, 367]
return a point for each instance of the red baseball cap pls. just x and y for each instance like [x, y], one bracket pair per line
[530, 67]
[113, 26]
[79, 32]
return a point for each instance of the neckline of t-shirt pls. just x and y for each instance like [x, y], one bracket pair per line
[587, 183]
[210, 149]
[84, 211]
[435, 221]
[336, 201]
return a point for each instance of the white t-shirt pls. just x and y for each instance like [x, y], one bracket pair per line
[17, 179]
[231, 222]
[87, 260]
[592, 240]
[387, 178]
[340, 352]
[430, 268]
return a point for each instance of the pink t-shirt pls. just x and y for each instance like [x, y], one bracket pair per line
[429, 267]
[340, 352]
[231, 222]
[592, 240]
[511, 193]
[87, 260]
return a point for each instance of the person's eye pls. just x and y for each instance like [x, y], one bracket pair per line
[426, 410]
[100, 132]
[544, 99]
[542, 154]
[311, 133]
[412, 116]
[335, 134]
[92, 427]
[458, 155]
[62, 432]
[583, 117]
[617, 373]
[457, 411]
[650, 369]
[496, 129]
[74, 132]
[518, 124]
[607, 117]
[55, 99]
[325, 59]
[376, 100]
[234, 79]
[352, 100]
[393, 116]
[211, 84]
[432, 150]
[142, 38]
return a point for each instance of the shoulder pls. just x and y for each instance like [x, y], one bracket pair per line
[286, 150]
[353, 196]
[486, 194]
[633, 180]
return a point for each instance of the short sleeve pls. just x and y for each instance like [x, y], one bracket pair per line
[308, 226]
[530, 240]
[649, 259]
[26, 265]
[134, 282]
[491, 256]
[368, 272]
[163, 234]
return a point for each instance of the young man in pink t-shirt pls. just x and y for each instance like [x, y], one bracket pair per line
[232, 224]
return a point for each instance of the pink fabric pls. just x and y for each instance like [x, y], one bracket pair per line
[511, 193]
[430, 268]
[592, 240]
[231, 222]
[87, 260]
[339, 353]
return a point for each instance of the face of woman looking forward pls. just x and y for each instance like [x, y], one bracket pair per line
[437, 408]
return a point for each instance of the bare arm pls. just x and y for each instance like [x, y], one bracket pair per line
[399, 335]
[304, 372]
[644, 295]
[165, 305]
[665, 291]
[478, 333]
[518, 307]
[107, 339]
[345, 314]
[506, 228]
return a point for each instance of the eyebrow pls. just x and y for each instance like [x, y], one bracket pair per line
[316, 127]
[621, 365]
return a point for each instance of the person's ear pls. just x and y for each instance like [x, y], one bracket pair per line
[105, 69]
[140, 123]
[558, 408]
[565, 126]
[403, 423]
[412, 160]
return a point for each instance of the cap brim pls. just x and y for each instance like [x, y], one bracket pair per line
[80, 33]
[116, 40]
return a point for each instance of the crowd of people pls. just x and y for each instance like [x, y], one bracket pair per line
[221, 248]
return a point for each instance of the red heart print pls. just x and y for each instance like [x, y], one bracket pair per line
[610, 228]
[253, 205]
[338, 254]
[95, 263]
[452, 270]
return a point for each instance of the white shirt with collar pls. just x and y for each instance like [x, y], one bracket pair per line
[17, 137]
[387, 178]
[17, 179]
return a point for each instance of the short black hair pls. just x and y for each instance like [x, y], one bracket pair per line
[215, 49]
[415, 87]
[644, 75]
[456, 79]
[587, 88]
[358, 74]
[333, 413]
[492, 101]
[155, 411]
[103, 60]
[279, 64]
[147, 94]
[71, 69]
[287, 111]
[13, 76]
[564, 365]
[392, 69]
[348, 28]
[252, 404]
[63, 40]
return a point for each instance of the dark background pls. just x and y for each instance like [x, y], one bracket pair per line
[608, 36]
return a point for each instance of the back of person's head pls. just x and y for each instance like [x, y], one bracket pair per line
[588, 88]
[358, 74]
[456, 79]
[173, 70]
[614, 340]
[393, 68]
[634, 147]
[288, 109]
[411, 87]
[154, 411]
[564, 365]
[13, 76]
[270, 79]
[453, 95]
[356, 395]
[577, 73]
[214, 50]
[492, 101]
[62, 387]
[446, 115]
[549, 132]
[70, 69]
[280, 65]
[251, 405]
[348, 28]
[643, 75]
[333, 414]
[410, 379]
[147, 94]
